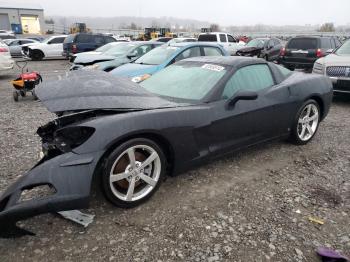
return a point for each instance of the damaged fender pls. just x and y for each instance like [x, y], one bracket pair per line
[70, 176]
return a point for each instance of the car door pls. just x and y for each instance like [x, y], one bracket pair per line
[248, 121]
[54, 47]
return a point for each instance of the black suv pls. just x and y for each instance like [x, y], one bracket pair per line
[303, 51]
[83, 42]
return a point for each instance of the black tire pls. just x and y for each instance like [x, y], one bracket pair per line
[22, 93]
[116, 157]
[37, 55]
[266, 57]
[295, 136]
[291, 68]
[15, 96]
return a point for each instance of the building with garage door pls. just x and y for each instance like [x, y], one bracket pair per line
[21, 17]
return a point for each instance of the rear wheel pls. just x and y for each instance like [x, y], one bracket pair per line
[306, 123]
[22, 93]
[15, 96]
[133, 172]
[37, 55]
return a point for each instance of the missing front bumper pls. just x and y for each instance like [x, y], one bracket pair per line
[69, 174]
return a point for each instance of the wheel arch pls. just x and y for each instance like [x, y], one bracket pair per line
[154, 136]
[320, 103]
[38, 50]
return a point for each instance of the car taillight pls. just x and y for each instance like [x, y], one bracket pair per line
[74, 49]
[319, 53]
[283, 51]
[3, 49]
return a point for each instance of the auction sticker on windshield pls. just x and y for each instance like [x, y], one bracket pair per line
[213, 67]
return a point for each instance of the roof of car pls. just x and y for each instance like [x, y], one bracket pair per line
[183, 44]
[226, 60]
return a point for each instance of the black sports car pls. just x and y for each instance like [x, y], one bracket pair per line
[267, 48]
[132, 136]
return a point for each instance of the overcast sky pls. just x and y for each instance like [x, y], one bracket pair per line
[224, 12]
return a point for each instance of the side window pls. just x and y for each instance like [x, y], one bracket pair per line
[326, 43]
[57, 40]
[141, 50]
[337, 43]
[190, 52]
[223, 38]
[83, 38]
[276, 42]
[13, 43]
[109, 39]
[249, 78]
[26, 42]
[212, 51]
[231, 39]
[270, 43]
[98, 39]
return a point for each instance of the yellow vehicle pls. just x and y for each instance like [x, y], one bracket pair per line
[78, 28]
[152, 33]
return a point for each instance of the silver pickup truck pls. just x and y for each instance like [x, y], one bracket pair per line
[227, 41]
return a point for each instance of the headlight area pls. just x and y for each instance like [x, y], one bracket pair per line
[318, 69]
[66, 139]
[92, 67]
[63, 140]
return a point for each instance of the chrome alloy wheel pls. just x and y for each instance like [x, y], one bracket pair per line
[308, 122]
[135, 173]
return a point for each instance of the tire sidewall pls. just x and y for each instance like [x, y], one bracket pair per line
[295, 137]
[109, 164]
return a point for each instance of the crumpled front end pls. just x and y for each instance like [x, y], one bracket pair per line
[68, 175]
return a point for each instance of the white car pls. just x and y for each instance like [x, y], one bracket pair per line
[51, 47]
[6, 63]
[227, 41]
[15, 45]
[5, 32]
[337, 67]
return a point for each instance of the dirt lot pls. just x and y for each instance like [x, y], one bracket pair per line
[240, 208]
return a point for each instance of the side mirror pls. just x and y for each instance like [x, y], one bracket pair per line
[131, 56]
[241, 95]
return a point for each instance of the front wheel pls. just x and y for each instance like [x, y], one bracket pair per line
[306, 123]
[133, 172]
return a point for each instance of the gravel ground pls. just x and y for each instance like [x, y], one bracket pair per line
[251, 206]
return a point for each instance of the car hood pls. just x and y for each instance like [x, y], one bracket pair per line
[86, 90]
[249, 49]
[132, 69]
[335, 60]
[92, 58]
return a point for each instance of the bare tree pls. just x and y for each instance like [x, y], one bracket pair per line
[214, 27]
[327, 27]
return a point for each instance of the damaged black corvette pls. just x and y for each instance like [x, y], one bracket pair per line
[131, 135]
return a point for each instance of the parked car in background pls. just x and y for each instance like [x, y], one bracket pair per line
[182, 40]
[303, 51]
[163, 56]
[6, 32]
[337, 67]
[230, 43]
[83, 42]
[120, 53]
[98, 51]
[267, 48]
[6, 63]
[162, 39]
[49, 48]
[37, 38]
[15, 45]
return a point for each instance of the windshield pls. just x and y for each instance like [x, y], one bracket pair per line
[302, 43]
[105, 47]
[190, 81]
[157, 56]
[344, 49]
[256, 43]
[119, 49]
